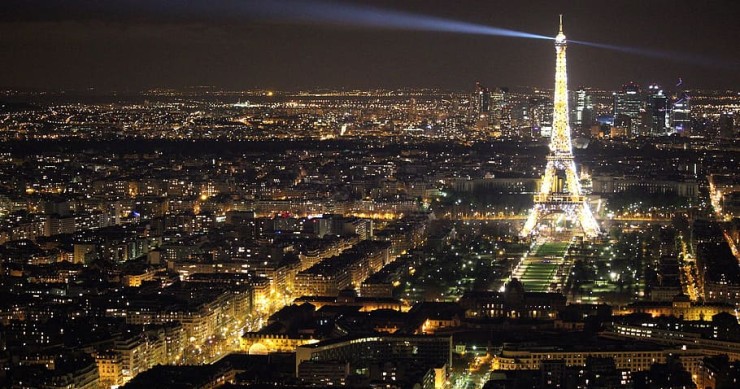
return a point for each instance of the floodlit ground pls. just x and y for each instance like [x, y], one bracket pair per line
[538, 271]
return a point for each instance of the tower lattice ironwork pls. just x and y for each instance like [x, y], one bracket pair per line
[560, 190]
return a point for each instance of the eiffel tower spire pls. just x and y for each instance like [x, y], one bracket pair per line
[560, 137]
[560, 31]
[553, 196]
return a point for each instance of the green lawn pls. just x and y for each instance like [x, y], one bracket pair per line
[538, 275]
[539, 271]
[549, 249]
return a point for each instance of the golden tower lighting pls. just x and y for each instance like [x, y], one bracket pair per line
[552, 198]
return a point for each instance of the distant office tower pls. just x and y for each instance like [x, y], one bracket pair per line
[627, 107]
[498, 99]
[542, 109]
[482, 99]
[681, 114]
[583, 114]
[578, 102]
[501, 110]
[657, 105]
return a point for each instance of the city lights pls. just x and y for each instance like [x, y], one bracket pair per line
[372, 194]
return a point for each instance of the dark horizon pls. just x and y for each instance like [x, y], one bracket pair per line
[237, 45]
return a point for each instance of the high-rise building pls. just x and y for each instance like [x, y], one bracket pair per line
[657, 105]
[628, 106]
[541, 116]
[681, 114]
[583, 113]
[501, 111]
[560, 191]
[482, 99]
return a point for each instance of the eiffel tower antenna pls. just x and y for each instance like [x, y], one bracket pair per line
[561, 24]
[556, 196]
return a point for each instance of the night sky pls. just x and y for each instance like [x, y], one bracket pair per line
[233, 44]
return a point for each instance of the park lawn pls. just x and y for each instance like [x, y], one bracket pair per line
[538, 275]
[557, 249]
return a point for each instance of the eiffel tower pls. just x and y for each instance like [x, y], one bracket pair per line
[558, 195]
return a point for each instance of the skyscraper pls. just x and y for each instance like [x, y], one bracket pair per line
[681, 114]
[482, 99]
[501, 111]
[627, 107]
[583, 113]
[557, 193]
[657, 104]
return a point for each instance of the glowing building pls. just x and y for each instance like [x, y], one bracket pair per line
[560, 191]
[657, 106]
[482, 99]
[583, 114]
[627, 108]
[681, 115]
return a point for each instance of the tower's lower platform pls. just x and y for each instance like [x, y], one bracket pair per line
[574, 206]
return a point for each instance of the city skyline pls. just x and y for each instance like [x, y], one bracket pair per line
[241, 45]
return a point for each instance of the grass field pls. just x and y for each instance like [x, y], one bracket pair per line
[538, 271]
[537, 275]
[554, 248]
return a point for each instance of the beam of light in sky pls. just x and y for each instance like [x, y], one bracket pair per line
[329, 12]
[664, 54]
[318, 12]
[326, 12]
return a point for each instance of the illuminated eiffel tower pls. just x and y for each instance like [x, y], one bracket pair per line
[558, 195]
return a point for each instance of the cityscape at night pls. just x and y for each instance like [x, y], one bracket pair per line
[369, 194]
